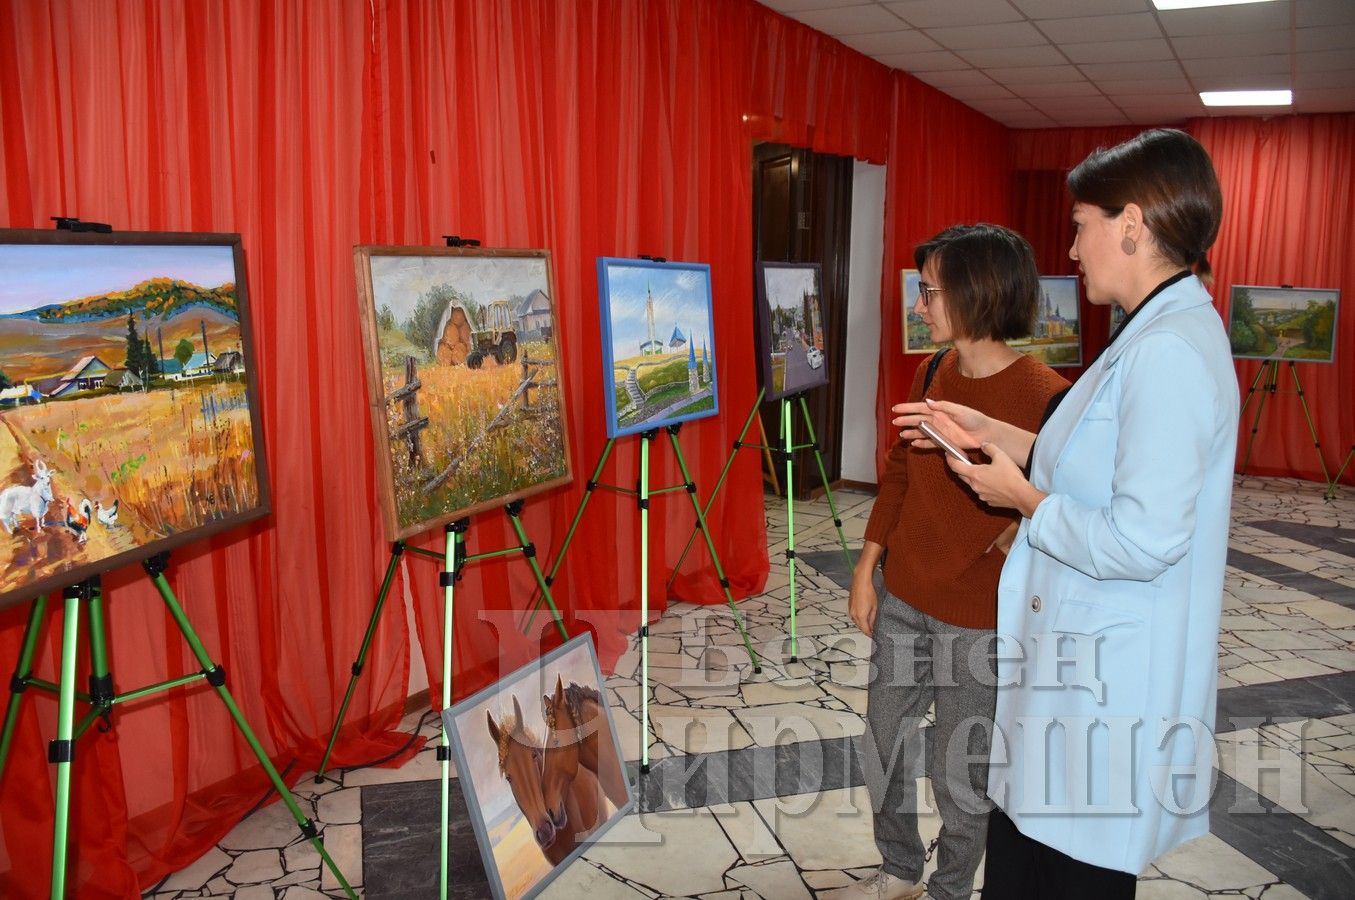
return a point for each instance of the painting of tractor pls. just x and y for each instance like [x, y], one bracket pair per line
[469, 336]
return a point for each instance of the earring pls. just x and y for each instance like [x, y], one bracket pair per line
[1128, 246]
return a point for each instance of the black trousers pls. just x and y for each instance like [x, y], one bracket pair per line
[1021, 868]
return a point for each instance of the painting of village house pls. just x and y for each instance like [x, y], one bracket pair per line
[790, 328]
[126, 399]
[461, 351]
[658, 344]
[1292, 324]
[540, 767]
[1056, 339]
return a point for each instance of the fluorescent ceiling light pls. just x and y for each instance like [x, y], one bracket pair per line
[1196, 4]
[1247, 98]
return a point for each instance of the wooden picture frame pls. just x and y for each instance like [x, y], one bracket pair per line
[790, 327]
[119, 489]
[467, 361]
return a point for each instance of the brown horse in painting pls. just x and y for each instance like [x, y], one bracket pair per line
[574, 715]
[521, 759]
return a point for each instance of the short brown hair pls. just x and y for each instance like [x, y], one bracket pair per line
[1171, 177]
[988, 272]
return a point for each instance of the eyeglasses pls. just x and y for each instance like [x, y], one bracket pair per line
[925, 292]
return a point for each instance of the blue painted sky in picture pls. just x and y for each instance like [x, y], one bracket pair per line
[33, 275]
[680, 299]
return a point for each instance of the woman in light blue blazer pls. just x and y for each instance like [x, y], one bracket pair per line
[1108, 605]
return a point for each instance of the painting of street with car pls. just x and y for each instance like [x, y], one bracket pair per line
[790, 328]
[128, 422]
[540, 766]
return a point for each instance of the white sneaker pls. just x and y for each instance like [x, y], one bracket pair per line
[880, 886]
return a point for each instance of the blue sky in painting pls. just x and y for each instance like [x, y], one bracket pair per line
[1062, 293]
[34, 275]
[680, 298]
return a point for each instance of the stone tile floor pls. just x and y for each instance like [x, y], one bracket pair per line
[1288, 639]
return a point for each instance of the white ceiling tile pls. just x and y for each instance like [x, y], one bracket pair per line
[1060, 9]
[790, 6]
[1148, 117]
[940, 61]
[1059, 105]
[1325, 100]
[1148, 86]
[1217, 20]
[998, 107]
[890, 42]
[1307, 80]
[1083, 29]
[1091, 120]
[1242, 81]
[1034, 74]
[1059, 89]
[1027, 120]
[1324, 12]
[941, 13]
[1326, 38]
[1185, 105]
[1039, 55]
[1248, 65]
[1209, 46]
[1325, 61]
[945, 80]
[1132, 71]
[862, 19]
[970, 92]
[976, 37]
[1118, 51]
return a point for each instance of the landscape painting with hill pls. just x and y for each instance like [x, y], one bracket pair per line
[1291, 324]
[658, 344]
[126, 400]
[466, 406]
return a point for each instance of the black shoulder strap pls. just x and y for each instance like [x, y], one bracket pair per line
[931, 369]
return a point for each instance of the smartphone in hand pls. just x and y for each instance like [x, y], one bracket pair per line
[935, 437]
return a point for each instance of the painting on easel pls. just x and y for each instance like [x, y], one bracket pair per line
[127, 400]
[790, 328]
[461, 350]
[540, 765]
[658, 344]
[1283, 323]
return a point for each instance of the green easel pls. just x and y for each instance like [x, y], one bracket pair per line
[786, 453]
[454, 559]
[642, 493]
[1270, 373]
[101, 699]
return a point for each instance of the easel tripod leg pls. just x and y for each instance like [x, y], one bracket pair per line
[1271, 371]
[397, 550]
[19, 682]
[1312, 429]
[644, 600]
[827, 490]
[216, 676]
[60, 750]
[452, 554]
[529, 550]
[788, 450]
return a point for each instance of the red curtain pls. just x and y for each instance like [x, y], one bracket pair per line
[1289, 218]
[947, 164]
[591, 128]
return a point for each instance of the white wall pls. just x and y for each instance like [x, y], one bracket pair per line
[863, 322]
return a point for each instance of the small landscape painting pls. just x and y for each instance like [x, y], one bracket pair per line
[1283, 323]
[790, 328]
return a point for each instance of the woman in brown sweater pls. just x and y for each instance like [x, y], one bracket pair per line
[933, 618]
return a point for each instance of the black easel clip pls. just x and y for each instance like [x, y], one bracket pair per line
[456, 240]
[71, 223]
[654, 259]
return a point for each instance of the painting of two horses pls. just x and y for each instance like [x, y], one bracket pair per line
[128, 412]
[540, 767]
[466, 407]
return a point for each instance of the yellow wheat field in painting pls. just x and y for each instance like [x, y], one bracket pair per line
[195, 467]
[525, 448]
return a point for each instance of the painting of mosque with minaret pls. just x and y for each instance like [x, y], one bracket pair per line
[658, 343]
[1056, 339]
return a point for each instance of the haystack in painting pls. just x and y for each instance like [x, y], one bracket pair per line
[465, 395]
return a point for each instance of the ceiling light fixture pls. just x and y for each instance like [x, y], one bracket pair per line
[1247, 98]
[1197, 4]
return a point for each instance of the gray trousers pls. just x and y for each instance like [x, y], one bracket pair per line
[918, 661]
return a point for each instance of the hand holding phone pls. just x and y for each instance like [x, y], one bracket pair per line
[935, 437]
